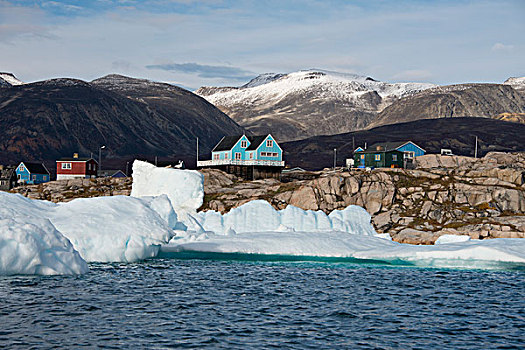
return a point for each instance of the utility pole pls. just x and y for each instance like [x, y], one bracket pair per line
[197, 153]
[156, 161]
[476, 149]
[100, 157]
[353, 144]
[335, 156]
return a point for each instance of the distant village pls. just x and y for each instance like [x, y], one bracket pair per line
[248, 157]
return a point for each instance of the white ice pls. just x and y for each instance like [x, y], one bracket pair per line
[345, 245]
[112, 229]
[446, 239]
[260, 216]
[30, 244]
[184, 188]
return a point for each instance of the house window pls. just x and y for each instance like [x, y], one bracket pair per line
[34, 177]
[22, 168]
[269, 143]
[45, 177]
[237, 156]
[66, 165]
[216, 156]
[409, 154]
[243, 144]
[225, 155]
[377, 157]
[394, 157]
[251, 155]
[362, 156]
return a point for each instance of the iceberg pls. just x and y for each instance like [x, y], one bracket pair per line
[260, 216]
[333, 244]
[184, 188]
[113, 229]
[32, 246]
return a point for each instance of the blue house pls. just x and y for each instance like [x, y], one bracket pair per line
[410, 149]
[251, 157]
[32, 173]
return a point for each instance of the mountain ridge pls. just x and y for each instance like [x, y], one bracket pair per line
[307, 103]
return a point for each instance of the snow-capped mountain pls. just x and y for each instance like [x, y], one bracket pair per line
[9, 79]
[307, 103]
[516, 82]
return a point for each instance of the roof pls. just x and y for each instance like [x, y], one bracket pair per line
[370, 150]
[36, 168]
[226, 143]
[255, 142]
[388, 146]
[71, 159]
[7, 172]
[110, 172]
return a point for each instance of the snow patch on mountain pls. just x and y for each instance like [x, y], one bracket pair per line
[516, 82]
[10, 79]
[325, 84]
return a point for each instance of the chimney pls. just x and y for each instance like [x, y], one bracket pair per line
[75, 155]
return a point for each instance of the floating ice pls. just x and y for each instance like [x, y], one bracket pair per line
[344, 245]
[260, 216]
[33, 246]
[112, 229]
[29, 243]
[184, 188]
[446, 239]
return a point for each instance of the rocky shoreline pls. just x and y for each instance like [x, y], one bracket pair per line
[481, 198]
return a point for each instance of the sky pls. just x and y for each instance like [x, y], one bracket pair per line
[227, 43]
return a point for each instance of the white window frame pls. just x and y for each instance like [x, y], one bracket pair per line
[238, 155]
[377, 157]
[251, 155]
[409, 154]
[269, 143]
[394, 157]
[66, 166]
[244, 143]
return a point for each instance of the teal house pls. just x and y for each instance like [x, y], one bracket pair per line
[32, 173]
[388, 155]
[251, 157]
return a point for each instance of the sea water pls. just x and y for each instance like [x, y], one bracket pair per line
[243, 304]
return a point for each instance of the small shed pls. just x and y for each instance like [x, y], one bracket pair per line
[32, 173]
[7, 177]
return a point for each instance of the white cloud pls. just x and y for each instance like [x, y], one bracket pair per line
[502, 47]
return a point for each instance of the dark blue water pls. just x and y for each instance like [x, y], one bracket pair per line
[175, 303]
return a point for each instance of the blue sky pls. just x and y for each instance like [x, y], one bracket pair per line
[216, 42]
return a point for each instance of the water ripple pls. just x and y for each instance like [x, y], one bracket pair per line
[163, 304]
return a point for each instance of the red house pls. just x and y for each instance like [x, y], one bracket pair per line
[70, 168]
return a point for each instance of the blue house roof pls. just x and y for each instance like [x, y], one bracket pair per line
[389, 146]
[35, 168]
